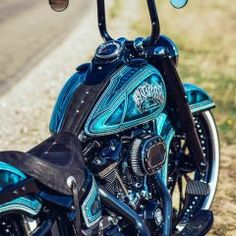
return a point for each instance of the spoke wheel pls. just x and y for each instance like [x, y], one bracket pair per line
[182, 168]
[11, 225]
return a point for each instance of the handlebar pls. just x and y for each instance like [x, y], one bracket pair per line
[60, 5]
[153, 17]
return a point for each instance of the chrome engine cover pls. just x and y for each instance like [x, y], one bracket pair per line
[147, 155]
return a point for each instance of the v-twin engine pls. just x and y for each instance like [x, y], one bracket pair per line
[122, 165]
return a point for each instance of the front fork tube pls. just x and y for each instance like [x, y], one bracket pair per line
[179, 111]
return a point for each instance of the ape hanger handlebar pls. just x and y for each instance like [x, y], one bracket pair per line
[153, 17]
[60, 5]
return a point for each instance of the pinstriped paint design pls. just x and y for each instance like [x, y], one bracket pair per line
[116, 110]
[10, 176]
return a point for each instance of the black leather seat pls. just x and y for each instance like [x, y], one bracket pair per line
[51, 162]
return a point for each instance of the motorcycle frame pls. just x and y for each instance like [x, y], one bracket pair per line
[101, 12]
[54, 224]
[179, 110]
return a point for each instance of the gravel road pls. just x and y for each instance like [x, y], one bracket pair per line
[26, 108]
[29, 31]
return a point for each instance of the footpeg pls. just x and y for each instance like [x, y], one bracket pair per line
[197, 188]
[198, 225]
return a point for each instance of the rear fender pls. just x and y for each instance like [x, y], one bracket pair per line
[9, 175]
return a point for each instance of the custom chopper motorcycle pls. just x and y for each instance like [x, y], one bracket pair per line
[133, 150]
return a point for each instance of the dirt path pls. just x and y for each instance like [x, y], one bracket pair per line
[26, 108]
[224, 206]
[29, 30]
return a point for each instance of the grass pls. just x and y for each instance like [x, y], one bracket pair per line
[114, 11]
[205, 33]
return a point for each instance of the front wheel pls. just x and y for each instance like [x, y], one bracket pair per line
[182, 167]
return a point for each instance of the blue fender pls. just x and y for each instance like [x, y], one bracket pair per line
[198, 100]
[63, 100]
[9, 175]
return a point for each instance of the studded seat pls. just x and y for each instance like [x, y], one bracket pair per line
[52, 162]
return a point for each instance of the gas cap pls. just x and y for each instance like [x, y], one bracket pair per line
[109, 51]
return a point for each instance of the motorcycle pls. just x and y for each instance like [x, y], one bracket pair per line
[133, 150]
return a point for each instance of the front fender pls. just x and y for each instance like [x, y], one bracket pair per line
[198, 99]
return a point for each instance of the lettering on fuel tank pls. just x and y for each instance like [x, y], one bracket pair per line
[149, 96]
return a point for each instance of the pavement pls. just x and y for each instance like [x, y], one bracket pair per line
[26, 107]
[29, 31]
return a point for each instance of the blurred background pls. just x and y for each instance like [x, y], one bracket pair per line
[29, 30]
[36, 41]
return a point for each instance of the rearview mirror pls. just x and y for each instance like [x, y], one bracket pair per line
[178, 3]
[59, 5]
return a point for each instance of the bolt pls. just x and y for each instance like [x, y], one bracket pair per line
[23, 188]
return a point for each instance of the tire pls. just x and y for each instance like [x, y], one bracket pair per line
[208, 135]
[213, 178]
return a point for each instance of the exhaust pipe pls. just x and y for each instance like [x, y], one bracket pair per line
[123, 210]
[167, 205]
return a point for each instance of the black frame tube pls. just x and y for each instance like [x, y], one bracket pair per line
[154, 21]
[101, 12]
[167, 204]
[123, 210]
[47, 224]
[180, 113]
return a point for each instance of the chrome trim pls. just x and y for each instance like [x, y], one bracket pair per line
[113, 55]
[215, 156]
[93, 193]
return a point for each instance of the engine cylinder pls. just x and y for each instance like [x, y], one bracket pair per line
[148, 154]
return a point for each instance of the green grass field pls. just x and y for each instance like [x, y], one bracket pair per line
[205, 32]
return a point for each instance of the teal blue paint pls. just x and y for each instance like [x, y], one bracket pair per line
[115, 111]
[90, 215]
[63, 101]
[164, 171]
[198, 99]
[6, 167]
[179, 3]
[164, 129]
[9, 175]
[120, 94]
[29, 205]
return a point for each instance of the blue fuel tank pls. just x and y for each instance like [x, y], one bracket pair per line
[136, 94]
